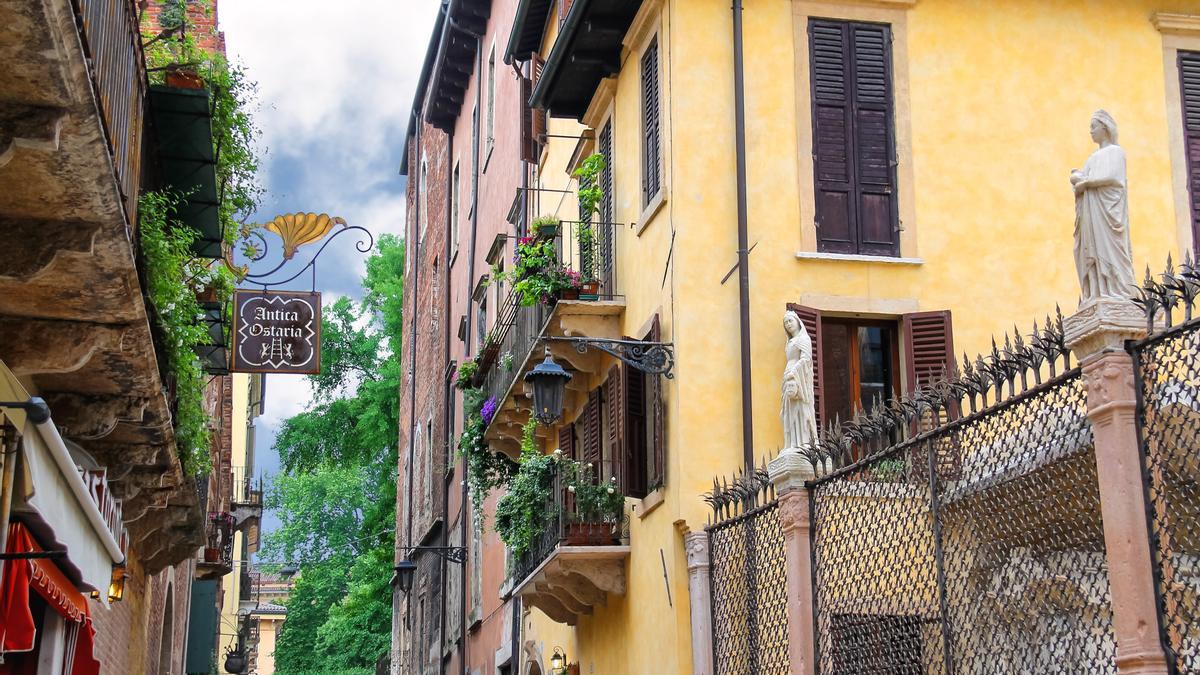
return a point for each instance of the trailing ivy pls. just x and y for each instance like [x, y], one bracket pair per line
[171, 273]
[521, 514]
[486, 470]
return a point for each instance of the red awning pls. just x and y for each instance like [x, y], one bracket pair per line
[18, 630]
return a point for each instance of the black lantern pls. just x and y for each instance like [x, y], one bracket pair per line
[558, 662]
[549, 381]
[403, 578]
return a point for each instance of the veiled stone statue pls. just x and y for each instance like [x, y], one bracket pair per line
[1102, 248]
[798, 410]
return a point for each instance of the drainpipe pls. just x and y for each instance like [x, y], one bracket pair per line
[412, 363]
[447, 397]
[739, 106]
[465, 499]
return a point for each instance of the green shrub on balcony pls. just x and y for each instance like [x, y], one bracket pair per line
[522, 514]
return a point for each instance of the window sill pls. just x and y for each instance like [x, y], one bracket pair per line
[851, 257]
[651, 210]
[651, 502]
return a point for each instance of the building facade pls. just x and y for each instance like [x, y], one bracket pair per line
[901, 186]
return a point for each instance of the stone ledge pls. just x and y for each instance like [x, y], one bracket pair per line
[575, 579]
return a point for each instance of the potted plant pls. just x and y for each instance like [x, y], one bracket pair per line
[547, 227]
[571, 283]
[212, 554]
[467, 371]
[599, 506]
[525, 511]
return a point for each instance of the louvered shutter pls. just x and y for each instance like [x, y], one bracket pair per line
[606, 230]
[566, 440]
[833, 166]
[812, 323]
[591, 428]
[1189, 76]
[528, 144]
[873, 139]
[614, 400]
[651, 161]
[853, 137]
[929, 347]
[537, 116]
[635, 456]
[658, 466]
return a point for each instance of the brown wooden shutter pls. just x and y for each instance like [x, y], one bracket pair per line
[929, 347]
[528, 142]
[651, 162]
[537, 116]
[658, 467]
[614, 400]
[591, 428]
[566, 440]
[635, 456]
[812, 323]
[853, 137]
[1189, 87]
[606, 230]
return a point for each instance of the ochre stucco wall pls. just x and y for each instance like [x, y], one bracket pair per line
[993, 103]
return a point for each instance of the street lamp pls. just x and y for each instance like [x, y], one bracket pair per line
[558, 662]
[402, 580]
[549, 382]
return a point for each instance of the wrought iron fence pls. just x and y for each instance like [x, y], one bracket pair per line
[748, 577]
[244, 488]
[975, 547]
[1168, 377]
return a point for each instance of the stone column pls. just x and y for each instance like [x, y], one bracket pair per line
[1096, 334]
[700, 595]
[789, 472]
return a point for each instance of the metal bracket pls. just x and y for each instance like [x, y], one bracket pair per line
[454, 554]
[655, 358]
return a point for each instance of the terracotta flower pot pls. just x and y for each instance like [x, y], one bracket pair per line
[184, 79]
[212, 555]
[590, 290]
[570, 294]
[590, 534]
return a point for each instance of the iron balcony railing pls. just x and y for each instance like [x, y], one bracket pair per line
[111, 41]
[218, 541]
[516, 330]
[565, 527]
[245, 489]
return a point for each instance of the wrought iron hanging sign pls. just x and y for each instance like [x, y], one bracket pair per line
[277, 331]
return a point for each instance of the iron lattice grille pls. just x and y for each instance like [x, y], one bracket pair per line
[1169, 419]
[749, 593]
[974, 548]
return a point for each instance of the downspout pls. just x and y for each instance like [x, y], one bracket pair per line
[447, 399]
[739, 106]
[412, 363]
[465, 500]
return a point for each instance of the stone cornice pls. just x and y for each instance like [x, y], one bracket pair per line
[1176, 24]
[894, 4]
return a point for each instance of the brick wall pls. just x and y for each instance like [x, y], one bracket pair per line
[129, 632]
[202, 20]
[425, 286]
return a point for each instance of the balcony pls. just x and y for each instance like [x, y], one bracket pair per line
[249, 583]
[514, 344]
[245, 500]
[576, 563]
[216, 559]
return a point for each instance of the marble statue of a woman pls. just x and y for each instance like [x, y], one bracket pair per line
[1102, 248]
[798, 410]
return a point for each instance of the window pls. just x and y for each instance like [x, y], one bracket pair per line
[651, 141]
[1189, 89]
[490, 120]
[481, 316]
[858, 360]
[854, 137]
[607, 231]
[423, 205]
[621, 429]
[454, 212]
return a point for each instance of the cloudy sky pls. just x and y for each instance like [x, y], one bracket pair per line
[335, 85]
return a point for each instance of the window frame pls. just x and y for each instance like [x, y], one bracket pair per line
[1180, 33]
[895, 15]
[489, 131]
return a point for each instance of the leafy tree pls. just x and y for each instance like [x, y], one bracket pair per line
[336, 499]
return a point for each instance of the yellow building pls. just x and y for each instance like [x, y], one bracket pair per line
[906, 190]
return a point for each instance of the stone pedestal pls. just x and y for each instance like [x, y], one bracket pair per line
[790, 472]
[1097, 334]
[700, 594]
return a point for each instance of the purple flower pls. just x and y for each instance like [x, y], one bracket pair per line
[488, 411]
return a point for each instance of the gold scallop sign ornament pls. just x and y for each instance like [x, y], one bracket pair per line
[298, 229]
